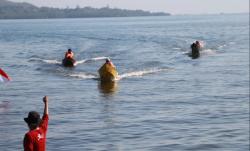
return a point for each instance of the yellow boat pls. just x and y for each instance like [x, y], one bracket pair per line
[108, 73]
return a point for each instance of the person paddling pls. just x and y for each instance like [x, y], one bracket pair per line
[196, 48]
[108, 61]
[69, 54]
[35, 139]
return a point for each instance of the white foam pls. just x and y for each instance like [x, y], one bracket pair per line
[202, 52]
[177, 48]
[52, 61]
[91, 59]
[186, 52]
[202, 43]
[80, 62]
[208, 52]
[45, 61]
[140, 73]
[83, 76]
[98, 58]
[59, 62]
[35, 59]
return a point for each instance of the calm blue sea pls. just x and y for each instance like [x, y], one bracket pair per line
[164, 100]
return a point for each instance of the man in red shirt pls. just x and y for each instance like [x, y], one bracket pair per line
[35, 139]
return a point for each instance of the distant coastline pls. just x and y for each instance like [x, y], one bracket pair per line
[13, 10]
[205, 14]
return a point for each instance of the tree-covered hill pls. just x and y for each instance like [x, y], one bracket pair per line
[12, 10]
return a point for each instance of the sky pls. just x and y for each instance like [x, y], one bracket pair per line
[170, 6]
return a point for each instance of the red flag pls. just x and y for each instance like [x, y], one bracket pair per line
[3, 74]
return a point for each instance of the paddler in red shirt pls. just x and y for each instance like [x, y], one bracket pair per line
[69, 54]
[35, 139]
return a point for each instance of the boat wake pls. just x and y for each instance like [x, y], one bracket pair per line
[80, 62]
[52, 61]
[205, 52]
[208, 52]
[98, 58]
[141, 73]
[60, 62]
[45, 61]
[90, 60]
[82, 75]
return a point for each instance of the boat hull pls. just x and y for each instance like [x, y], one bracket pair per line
[108, 73]
[67, 62]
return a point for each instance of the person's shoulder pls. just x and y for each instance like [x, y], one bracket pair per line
[28, 138]
[29, 135]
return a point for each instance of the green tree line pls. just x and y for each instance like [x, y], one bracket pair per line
[12, 10]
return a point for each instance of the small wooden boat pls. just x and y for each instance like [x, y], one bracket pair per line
[108, 73]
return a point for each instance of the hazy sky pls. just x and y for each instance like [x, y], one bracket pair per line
[171, 6]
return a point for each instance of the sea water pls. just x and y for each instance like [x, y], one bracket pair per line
[163, 100]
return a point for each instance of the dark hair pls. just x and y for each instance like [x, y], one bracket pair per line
[107, 60]
[33, 118]
[69, 50]
[197, 42]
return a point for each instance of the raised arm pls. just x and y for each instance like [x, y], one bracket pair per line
[46, 107]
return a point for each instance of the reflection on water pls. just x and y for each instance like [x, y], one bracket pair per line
[109, 118]
[4, 106]
[107, 87]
